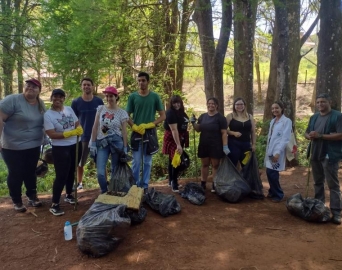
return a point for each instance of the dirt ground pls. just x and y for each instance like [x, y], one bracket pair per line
[252, 234]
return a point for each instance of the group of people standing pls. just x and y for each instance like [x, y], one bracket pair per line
[24, 121]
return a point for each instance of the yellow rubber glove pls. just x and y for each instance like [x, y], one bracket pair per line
[247, 157]
[79, 131]
[138, 129]
[176, 161]
[69, 133]
[148, 125]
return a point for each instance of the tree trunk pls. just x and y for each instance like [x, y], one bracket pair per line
[244, 28]
[186, 12]
[329, 54]
[283, 78]
[7, 58]
[220, 52]
[272, 80]
[204, 21]
[257, 71]
[293, 15]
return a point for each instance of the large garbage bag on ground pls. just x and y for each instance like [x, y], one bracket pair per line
[251, 174]
[122, 179]
[137, 217]
[165, 204]
[229, 184]
[194, 193]
[102, 228]
[309, 209]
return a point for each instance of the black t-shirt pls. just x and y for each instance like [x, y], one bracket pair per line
[176, 117]
[211, 126]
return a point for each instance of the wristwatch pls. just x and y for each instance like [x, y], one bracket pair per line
[320, 135]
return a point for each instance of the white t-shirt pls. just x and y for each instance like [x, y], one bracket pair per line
[110, 121]
[60, 122]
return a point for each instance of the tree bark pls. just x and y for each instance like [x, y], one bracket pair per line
[244, 29]
[186, 12]
[257, 71]
[204, 21]
[272, 80]
[283, 78]
[329, 54]
[220, 52]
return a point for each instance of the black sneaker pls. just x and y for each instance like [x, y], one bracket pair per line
[55, 210]
[69, 199]
[175, 187]
[79, 186]
[336, 219]
[19, 207]
[34, 201]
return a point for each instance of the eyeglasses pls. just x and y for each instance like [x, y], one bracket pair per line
[239, 104]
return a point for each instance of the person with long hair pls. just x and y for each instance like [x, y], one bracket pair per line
[62, 126]
[109, 135]
[241, 132]
[176, 136]
[278, 137]
[22, 126]
[213, 139]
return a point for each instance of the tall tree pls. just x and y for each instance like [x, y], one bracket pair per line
[244, 29]
[213, 56]
[329, 54]
[283, 78]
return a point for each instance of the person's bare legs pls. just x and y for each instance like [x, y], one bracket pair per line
[80, 171]
[204, 171]
[215, 163]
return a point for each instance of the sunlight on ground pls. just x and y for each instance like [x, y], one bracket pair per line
[135, 257]
[222, 256]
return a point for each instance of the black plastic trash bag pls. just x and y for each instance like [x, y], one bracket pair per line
[122, 179]
[250, 173]
[102, 228]
[194, 193]
[229, 184]
[309, 209]
[137, 217]
[165, 204]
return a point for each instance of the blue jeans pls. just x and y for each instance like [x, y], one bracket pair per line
[136, 167]
[275, 190]
[327, 171]
[102, 159]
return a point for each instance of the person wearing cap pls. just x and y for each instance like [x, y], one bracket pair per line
[325, 134]
[62, 126]
[109, 132]
[22, 125]
[144, 104]
[85, 109]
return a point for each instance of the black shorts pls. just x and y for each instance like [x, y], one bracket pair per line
[210, 149]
